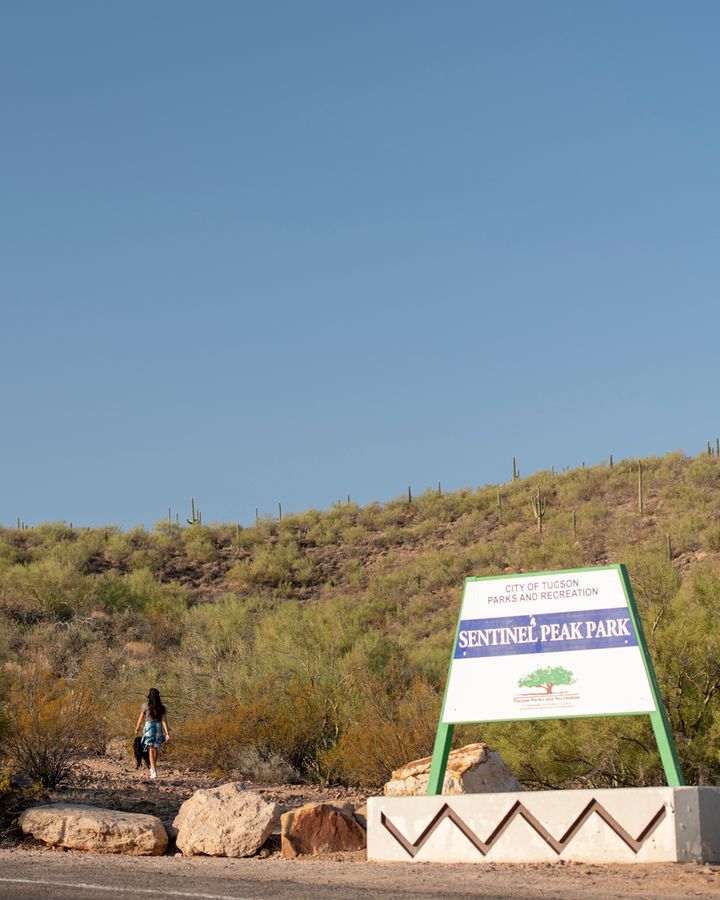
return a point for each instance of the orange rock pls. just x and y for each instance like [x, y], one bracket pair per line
[320, 828]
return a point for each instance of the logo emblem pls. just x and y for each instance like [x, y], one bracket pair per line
[547, 678]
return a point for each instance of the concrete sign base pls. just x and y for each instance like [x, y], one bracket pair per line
[628, 825]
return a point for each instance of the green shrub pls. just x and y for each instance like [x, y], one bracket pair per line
[199, 543]
[273, 566]
[47, 589]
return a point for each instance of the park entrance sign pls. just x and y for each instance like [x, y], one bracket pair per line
[540, 646]
[550, 645]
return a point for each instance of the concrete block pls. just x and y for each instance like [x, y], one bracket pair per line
[625, 825]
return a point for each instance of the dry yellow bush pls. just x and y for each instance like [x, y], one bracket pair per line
[227, 742]
[208, 742]
[52, 721]
[394, 729]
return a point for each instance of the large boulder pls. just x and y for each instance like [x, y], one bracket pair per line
[473, 769]
[83, 827]
[321, 828]
[225, 821]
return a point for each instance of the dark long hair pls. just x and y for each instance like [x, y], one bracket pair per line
[156, 709]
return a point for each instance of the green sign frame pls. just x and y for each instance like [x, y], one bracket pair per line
[658, 718]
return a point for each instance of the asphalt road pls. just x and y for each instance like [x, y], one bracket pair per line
[65, 877]
[49, 875]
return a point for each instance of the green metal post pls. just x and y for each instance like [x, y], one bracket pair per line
[441, 751]
[444, 733]
[658, 719]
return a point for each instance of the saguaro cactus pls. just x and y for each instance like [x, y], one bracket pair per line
[640, 487]
[539, 504]
[516, 473]
[196, 517]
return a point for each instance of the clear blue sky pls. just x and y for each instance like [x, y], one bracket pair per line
[268, 251]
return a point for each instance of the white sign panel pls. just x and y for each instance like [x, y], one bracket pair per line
[549, 645]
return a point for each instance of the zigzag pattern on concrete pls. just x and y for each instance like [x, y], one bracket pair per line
[519, 809]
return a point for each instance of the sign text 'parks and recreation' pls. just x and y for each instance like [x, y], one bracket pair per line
[544, 589]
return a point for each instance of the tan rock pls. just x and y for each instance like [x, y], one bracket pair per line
[92, 828]
[321, 828]
[361, 815]
[225, 821]
[473, 769]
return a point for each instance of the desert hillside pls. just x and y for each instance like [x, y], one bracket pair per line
[315, 647]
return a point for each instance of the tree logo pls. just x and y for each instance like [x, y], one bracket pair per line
[548, 678]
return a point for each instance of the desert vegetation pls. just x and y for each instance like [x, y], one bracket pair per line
[316, 646]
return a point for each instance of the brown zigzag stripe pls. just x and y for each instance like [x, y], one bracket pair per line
[519, 809]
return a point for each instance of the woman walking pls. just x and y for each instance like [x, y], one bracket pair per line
[155, 730]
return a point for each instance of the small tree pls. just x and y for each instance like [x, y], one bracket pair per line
[547, 678]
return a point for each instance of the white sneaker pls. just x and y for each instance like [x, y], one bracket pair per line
[153, 773]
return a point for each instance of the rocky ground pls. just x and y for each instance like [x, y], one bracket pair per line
[30, 870]
[113, 782]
